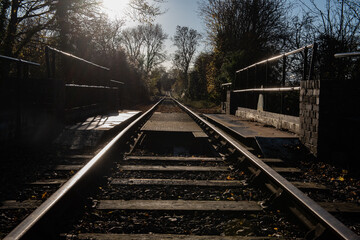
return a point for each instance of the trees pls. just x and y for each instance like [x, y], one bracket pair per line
[21, 20]
[144, 45]
[154, 38]
[186, 40]
[241, 32]
[198, 77]
[336, 27]
[30, 21]
[244, 24]
[145, 11]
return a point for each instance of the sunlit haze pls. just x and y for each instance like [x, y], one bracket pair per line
[115, 8]
[179, 12]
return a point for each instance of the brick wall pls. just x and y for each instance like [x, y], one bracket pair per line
[330, 119]
[309, 114]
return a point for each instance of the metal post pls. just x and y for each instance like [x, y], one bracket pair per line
[283, 71]
[313, 59]
[247, 86]
[47, 60]
[266, 80]
[255, 76]
[305, 63]
[18, 127]
[53, 70]
[235, 81]
[283, 84]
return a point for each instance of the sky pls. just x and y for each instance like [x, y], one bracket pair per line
[179, 12]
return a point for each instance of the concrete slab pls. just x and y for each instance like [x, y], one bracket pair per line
[278, 147]
[171, 122]
[248, 129]
[88, 134]
[104, 122]
[179, 205]
[272, 142]
[114, 236]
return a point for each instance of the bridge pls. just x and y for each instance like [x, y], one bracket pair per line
[323, 113]
[169, 157]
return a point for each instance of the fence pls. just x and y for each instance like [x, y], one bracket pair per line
[273, 84]
[17, 96]
[33, 109]
[82, 88]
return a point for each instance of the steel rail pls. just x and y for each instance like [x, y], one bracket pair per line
[53, 201]
[321, 214]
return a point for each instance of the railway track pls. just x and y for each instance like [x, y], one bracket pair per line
[172, 175]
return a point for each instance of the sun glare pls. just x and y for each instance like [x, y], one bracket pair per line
[115, 8]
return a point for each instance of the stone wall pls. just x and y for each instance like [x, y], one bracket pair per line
[279, 121]
[330, 119]
[309, 114]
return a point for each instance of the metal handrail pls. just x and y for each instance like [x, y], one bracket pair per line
[77, 58]
[117, 82]
[19, 60]
[87, 86]
[276, 57]
[349, 54]
[284, 89]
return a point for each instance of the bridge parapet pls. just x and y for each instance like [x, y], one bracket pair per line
[327, 118]
[34, 107]
[82, 88]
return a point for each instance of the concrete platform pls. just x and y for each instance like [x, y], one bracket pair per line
[272, 142]
[90, 132]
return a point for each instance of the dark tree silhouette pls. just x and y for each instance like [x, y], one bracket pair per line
[186, 40]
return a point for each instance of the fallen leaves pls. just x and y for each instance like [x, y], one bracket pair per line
[44, 195]
[230, 178]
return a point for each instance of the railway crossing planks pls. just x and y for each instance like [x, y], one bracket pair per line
[182, 159]
[172, 168]
[99, 236]
[178, 182]
[179, 205]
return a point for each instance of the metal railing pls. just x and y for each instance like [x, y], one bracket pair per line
[306, 74]
[18, 60]
[263, 90]
[80, 83]
[349, 54]
[252, 77]
[13, 88]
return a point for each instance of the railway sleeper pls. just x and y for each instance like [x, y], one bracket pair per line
[113, 236]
